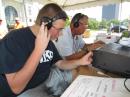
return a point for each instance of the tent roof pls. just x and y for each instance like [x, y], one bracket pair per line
[77, 4]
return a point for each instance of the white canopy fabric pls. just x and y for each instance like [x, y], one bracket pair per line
[76, 4]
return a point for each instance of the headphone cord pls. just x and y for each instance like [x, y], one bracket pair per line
[125, 85]
[75, 44]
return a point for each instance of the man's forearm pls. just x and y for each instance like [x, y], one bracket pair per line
[91, 47]
[73, 59]
[76, 55]
[68, 64]
[71, 64]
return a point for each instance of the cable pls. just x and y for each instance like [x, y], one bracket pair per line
[125, 85]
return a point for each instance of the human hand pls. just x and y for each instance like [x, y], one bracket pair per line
[86, 59]
[99, 42]
[95, 45]
[42, 38]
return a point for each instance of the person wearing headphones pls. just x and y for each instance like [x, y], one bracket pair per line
[71, 41]
[70, 46]
[26, 62]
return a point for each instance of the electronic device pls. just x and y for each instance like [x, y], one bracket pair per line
[114, 58]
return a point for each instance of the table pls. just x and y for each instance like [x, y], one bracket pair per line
[92, 71]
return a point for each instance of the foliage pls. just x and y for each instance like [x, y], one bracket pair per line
[93, 24]
[67, 22]
[125, 34]
[114, 22]
[125, 22]
[103, 24]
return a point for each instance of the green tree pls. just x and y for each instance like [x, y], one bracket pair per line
[67, 23]
[103, 24]
[93, 24]
[114, 21]
[125, 22]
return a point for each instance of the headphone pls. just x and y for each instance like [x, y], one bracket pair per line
[76, 19]
[49, 21]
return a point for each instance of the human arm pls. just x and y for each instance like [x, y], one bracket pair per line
[18, 80]
[93, 46]
[84, 50]
[76, 55]
[74, 48]
[71, 64]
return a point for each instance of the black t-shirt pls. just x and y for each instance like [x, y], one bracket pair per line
[15, 49]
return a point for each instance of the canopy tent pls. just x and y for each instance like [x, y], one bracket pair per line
[70, 4]
[76, 4]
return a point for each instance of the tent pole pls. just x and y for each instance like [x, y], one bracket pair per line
[25, 12]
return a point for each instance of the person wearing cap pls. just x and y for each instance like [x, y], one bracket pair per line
[18, 24]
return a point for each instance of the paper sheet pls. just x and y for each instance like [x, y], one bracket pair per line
[90, 86]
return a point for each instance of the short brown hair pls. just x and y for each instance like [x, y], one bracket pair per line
[50, 10]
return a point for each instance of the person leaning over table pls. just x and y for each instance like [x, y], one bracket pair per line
[27, 54]
[71, 46]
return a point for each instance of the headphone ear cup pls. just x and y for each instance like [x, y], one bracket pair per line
[49, 25]
[76, 24]
[48, 21]
[76, 19]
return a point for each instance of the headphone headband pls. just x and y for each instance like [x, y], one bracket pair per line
[49, 21]
[76, 19]
[60, 15]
